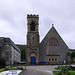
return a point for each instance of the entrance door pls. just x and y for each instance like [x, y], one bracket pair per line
[33, 61]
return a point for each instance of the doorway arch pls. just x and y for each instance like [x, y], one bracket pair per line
[33, 59]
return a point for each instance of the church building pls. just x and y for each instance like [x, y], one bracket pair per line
[51, 50]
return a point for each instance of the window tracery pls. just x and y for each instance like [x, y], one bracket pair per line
[52, 46]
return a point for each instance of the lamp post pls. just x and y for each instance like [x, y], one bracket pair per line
[25, 65]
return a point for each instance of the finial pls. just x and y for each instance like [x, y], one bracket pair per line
[52, 25]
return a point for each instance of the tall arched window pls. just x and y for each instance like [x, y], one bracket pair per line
[52, 46]
[32, 26]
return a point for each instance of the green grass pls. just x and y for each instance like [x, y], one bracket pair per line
[13, 69]
[72, 73]
[56, 73]
[60, 68]
[2, 69]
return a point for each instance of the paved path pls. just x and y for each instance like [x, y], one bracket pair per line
[35, 72]
[43, 67]
[39, 70]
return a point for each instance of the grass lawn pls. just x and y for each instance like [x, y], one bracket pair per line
[13, 69]
[60, 68]
[56, 73]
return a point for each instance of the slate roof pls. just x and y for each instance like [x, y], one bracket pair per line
[8, 41]
[52, 29]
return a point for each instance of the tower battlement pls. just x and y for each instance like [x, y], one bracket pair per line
[32, 15]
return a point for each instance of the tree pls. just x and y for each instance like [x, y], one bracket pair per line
[23, 52]
[72, 55]
[2, 63]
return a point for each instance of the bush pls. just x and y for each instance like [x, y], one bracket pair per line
[6, 68]
[21, 68]
[2, 63]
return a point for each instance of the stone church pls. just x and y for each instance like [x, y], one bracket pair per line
[51, 50]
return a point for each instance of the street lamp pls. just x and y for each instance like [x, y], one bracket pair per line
[25, 65]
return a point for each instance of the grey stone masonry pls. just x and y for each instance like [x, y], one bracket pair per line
[62, 56]
[51, 50]
[32, 38]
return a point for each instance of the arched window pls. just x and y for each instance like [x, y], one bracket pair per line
[55, 59]
[52, 46]
[32, 26]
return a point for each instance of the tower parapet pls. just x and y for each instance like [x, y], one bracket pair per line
[30, 16]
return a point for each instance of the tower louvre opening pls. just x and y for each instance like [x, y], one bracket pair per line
[32, 26]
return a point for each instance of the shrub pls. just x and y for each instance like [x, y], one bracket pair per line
[21, 68]
[6, 68]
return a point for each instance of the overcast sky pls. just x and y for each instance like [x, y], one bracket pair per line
[61, 13]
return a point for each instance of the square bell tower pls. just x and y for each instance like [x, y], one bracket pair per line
[32, 51]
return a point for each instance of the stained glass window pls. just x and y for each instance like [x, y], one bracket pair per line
[52, 46]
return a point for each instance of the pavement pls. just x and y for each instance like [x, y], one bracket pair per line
[35, 72]
[38, 70]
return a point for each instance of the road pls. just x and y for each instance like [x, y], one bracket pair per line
[39, 70]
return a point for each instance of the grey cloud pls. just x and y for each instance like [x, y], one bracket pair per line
[13, 18]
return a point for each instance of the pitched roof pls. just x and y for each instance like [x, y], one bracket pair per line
[53, 32]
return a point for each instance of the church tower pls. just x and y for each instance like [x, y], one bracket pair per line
[32, 51]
